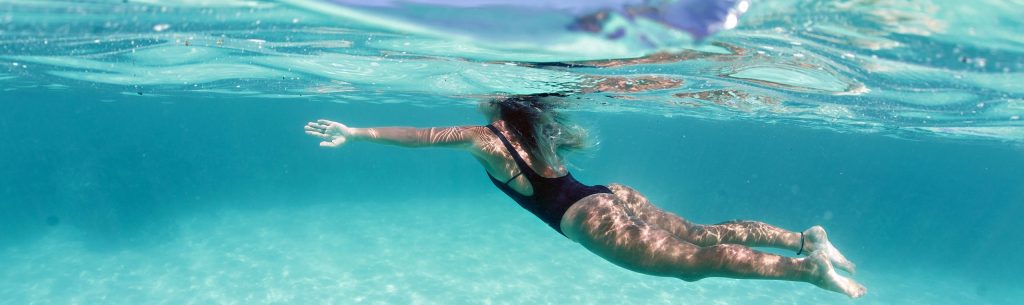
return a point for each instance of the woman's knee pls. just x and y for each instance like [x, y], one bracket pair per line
[703, 262]
[689, 269]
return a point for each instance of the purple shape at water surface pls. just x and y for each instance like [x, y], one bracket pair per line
[699, 18]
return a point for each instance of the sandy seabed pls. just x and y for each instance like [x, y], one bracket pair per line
[479, 252]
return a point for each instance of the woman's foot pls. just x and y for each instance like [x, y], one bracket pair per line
[827, 278]
[817, 240]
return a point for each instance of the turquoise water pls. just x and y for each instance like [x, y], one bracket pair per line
[153, 152]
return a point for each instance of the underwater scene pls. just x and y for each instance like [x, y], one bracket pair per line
[154, 151]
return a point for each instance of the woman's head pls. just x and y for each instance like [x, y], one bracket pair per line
[532, 119]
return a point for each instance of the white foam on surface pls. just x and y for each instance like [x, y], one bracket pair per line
[480, 252]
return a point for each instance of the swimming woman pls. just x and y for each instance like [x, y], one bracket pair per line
[521, 150]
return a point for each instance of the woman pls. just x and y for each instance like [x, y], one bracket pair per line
[521, 151]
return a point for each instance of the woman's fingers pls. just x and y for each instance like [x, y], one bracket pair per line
[333, 143]
[317, 134]
[320, 129]
[313, 128]
[316, 125]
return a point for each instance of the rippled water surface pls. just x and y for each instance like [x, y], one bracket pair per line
[904, 68]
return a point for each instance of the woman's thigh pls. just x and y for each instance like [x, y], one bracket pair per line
[638, 205]
[602, 224]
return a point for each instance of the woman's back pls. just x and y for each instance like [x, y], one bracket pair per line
[551, 197]
[501, 164]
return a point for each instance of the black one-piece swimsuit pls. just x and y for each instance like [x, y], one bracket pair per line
[551, 196]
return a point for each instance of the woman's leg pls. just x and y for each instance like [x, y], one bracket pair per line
[740, 232]
[747, 233]
[603, 225]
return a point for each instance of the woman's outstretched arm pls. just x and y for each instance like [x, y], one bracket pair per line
[335, 134]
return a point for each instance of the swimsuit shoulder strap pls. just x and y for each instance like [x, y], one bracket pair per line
[524, 169]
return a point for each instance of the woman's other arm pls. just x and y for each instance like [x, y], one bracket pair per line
[335, 134]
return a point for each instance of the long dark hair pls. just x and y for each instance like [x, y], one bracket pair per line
[544, 132]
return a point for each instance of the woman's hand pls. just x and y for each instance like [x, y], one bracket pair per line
[333, 133]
